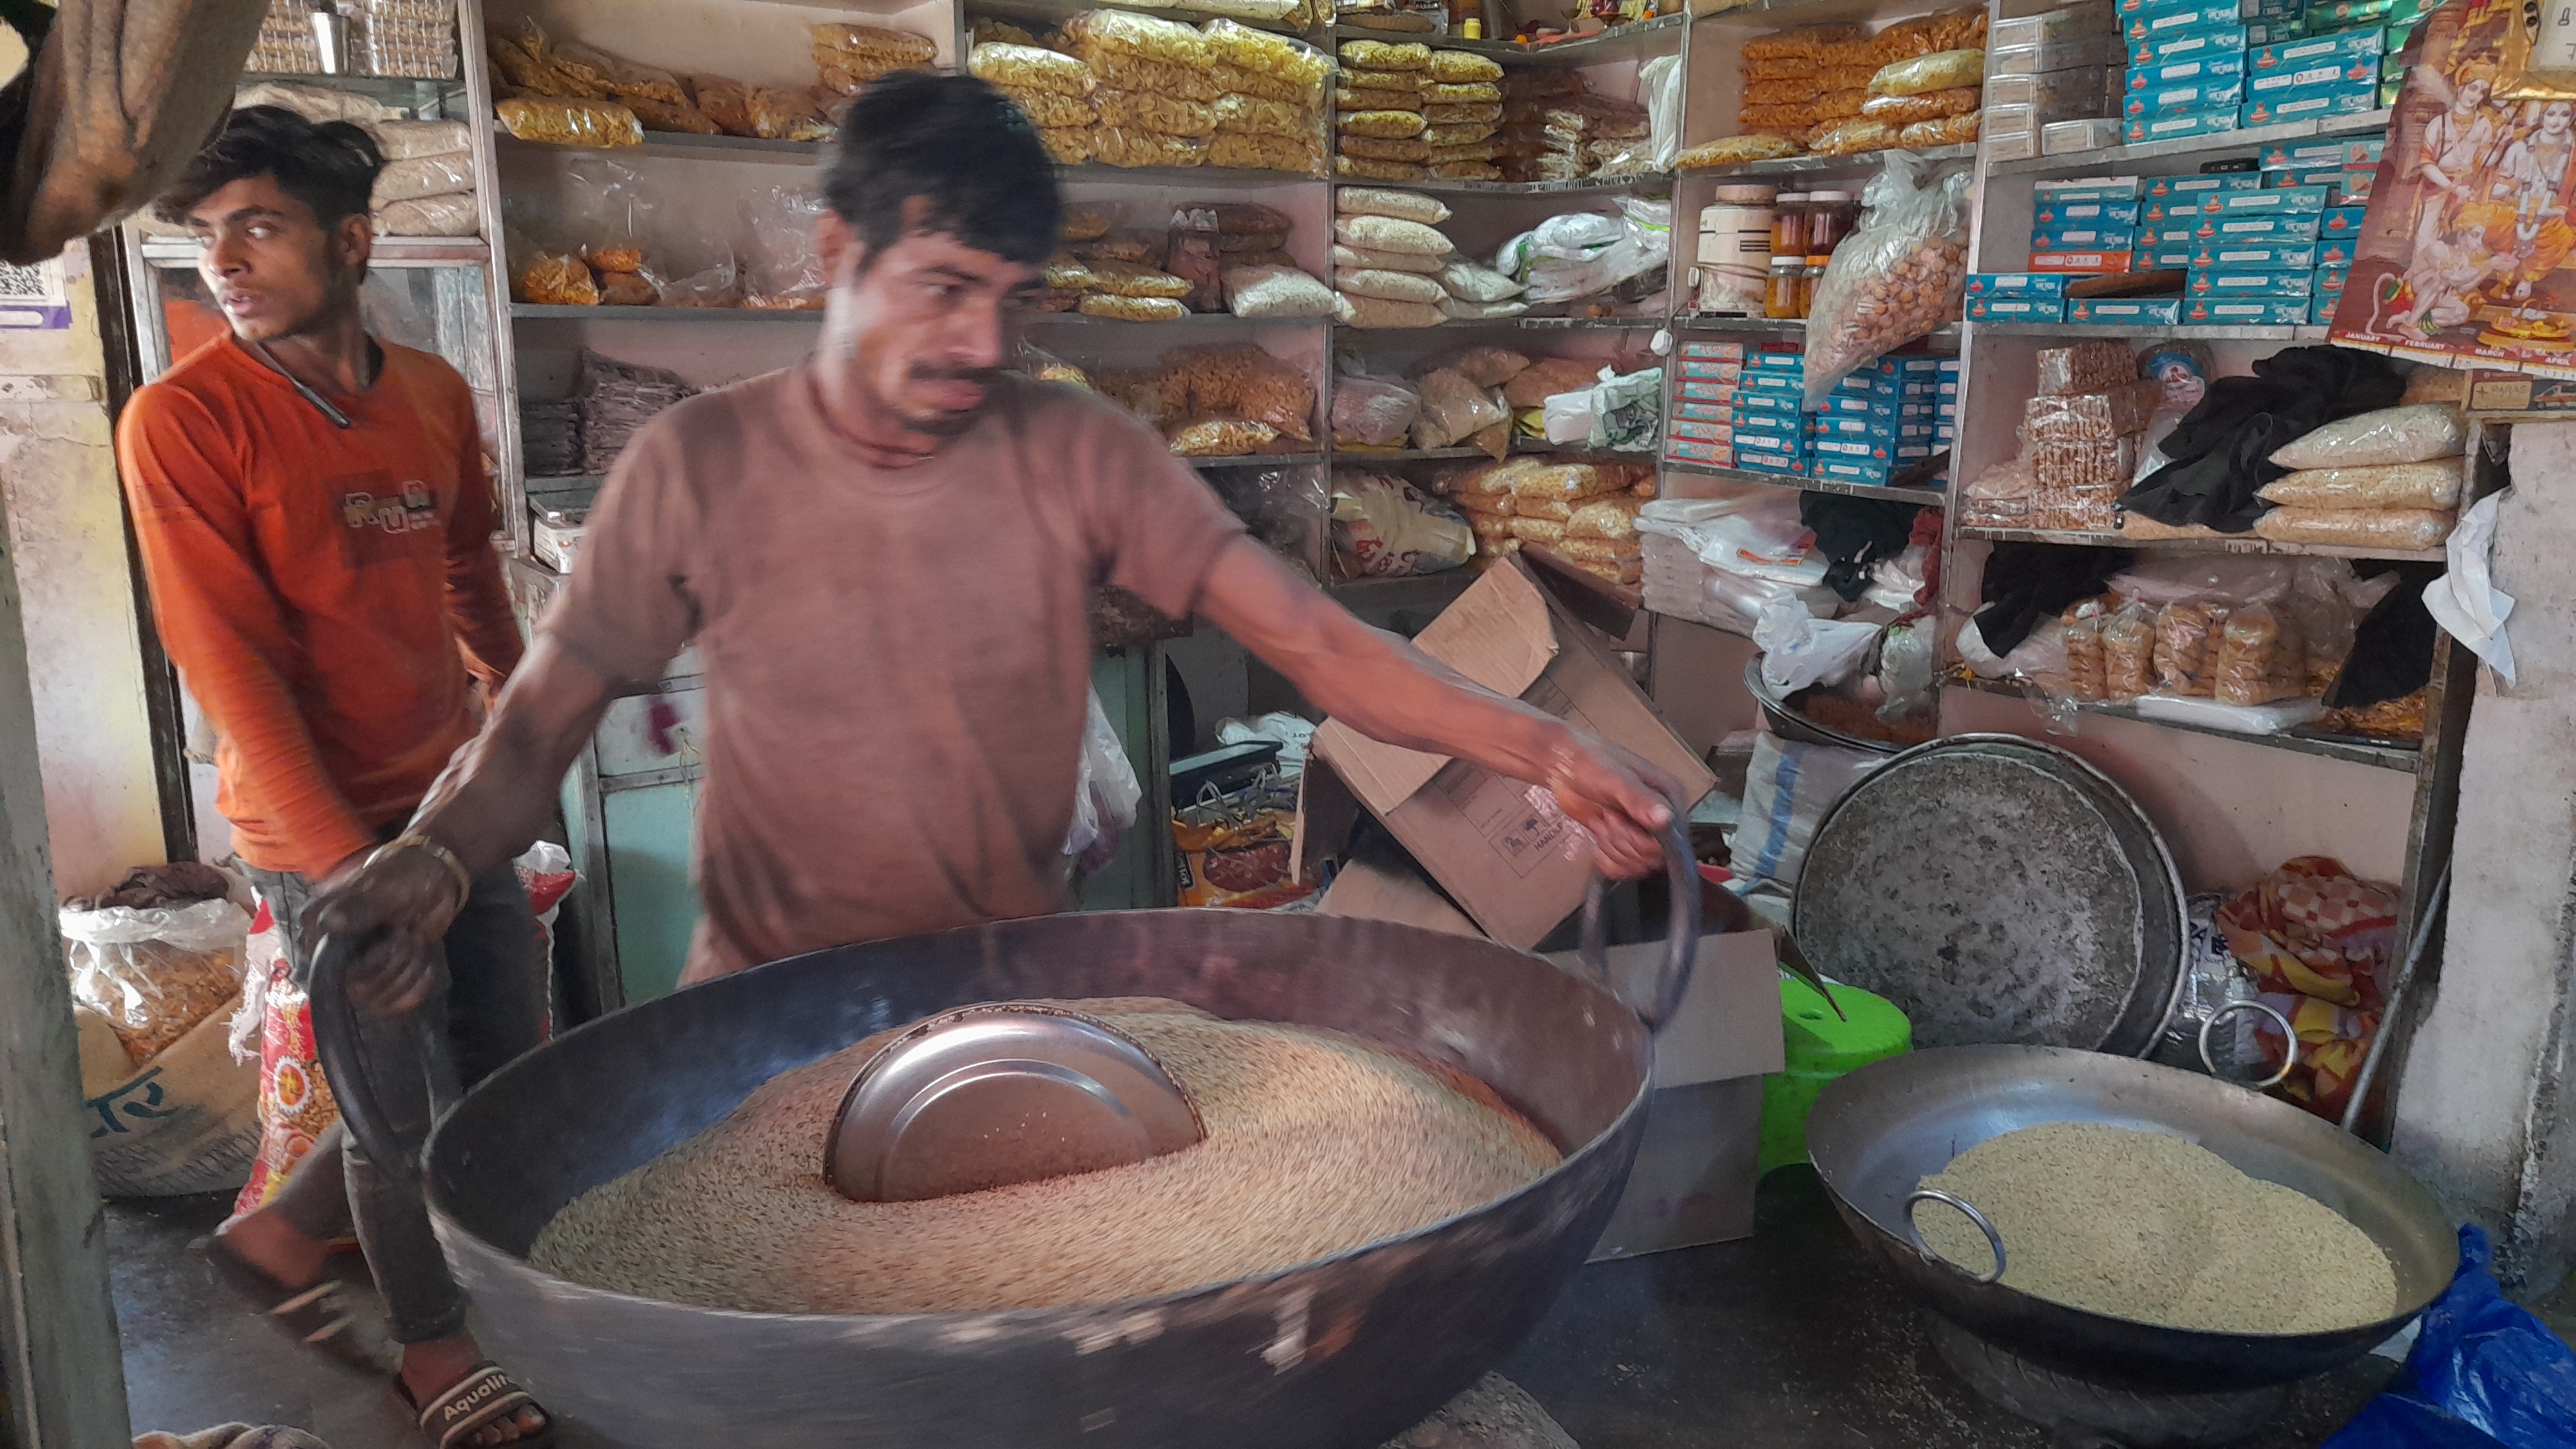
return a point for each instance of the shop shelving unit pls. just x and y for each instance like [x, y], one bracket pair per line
[632, 792]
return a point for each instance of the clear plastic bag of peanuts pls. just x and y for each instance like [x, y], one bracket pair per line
[1899, 276]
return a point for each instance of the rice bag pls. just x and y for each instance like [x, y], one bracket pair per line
[1391, 234]
[1275, 292]
[450, 215]
[1359, 168]
[2414, 433]
[1453, 409]
[1401, 205]
[1377, 312]
[2435, 484]
[2388, 528]
[405, 140]
[1391, 286]
[1356, 258]
[1371, 148]
[1370, 412]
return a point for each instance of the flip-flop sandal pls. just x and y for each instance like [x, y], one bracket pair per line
[483, 1397]
[319, 1315]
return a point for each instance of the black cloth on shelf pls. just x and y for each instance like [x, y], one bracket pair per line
[2028, 582]
[1855, 533]
[2392, 649]
[2222, 450]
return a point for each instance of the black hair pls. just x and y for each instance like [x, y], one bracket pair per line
[330, 166]
[959, 146]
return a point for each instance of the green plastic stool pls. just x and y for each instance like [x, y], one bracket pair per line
[1822, 1047]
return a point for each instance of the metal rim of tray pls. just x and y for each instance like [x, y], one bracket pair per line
[2164, 916]
[1789, 724]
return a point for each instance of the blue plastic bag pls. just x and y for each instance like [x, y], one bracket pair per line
[2483, 1373]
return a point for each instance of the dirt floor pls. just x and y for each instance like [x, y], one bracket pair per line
[1788, 1340]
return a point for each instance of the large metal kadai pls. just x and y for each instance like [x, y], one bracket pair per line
[1997, 890]
[1341, 1353]
[1876, 1133]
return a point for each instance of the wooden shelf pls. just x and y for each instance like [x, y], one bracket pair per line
[1404, 455]
[1633, 182]
[542, 312]
[2147, 158]
[1790, 326]
[1257, 460]
[1094, 173]
[2245, 543]
[684, 145]
[2386, 757]
[1935, 497]
[1625, 42]
[1041, 15]
[2218, 333]
[1852, 164]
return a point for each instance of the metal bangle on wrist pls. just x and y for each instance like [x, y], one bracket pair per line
[437, 852]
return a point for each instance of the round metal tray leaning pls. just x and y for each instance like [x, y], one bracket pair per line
[1997, 890]
[1346, 1350]
[1878, 1132]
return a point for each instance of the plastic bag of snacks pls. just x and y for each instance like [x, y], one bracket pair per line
[571, 123]
[1940, 71]
[1373, 412]
[1385, 528]
[1900, 275]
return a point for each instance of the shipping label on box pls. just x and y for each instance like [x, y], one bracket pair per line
[2088, 190]
[1768, 399]
[2306, 107]
[2145, 311]
[2016, 309]
[1702, 432]
[1762, 462]
[1846, 470]
[1759, 381]
[2092, 262]
[1704, 391]
[2324, 16]
[1855, 405]
[2250, 256]
[1775, 359]
[1710, 371]
[2272, 201]
[2167, 212]
[1705, 412]
[2221, 283]
[2201, 96]
[2270, 230]
[2164, 258]
[2231, 312]
[2189, 192]
[2016, 284]
[2332, 76]
[1684, 450]
[1770, 435]
[2186, 123]
[1503, 849]
[2199, 45]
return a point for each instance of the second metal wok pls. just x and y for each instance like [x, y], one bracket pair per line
[1876, 1133]
[1339, 1353]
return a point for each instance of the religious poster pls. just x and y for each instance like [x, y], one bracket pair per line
[2467, 257]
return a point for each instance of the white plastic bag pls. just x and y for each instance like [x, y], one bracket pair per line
[1293, 735]
[1373, 412]
[1386, 528]
[1659, 85]
[1579, 254]
[1902, 274]
[1106, 795]
[155, 973]
[1799, 649]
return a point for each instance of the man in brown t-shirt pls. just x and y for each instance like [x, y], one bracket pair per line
[883, 556]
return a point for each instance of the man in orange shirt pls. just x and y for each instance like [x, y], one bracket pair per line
[315, 524]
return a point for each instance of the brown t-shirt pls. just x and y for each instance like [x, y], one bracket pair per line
[896, 659]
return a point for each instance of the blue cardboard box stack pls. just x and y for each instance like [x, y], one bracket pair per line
[1880, 419]
[1771, 430]
[2313, 78]
[2186, 74]
[2254, 257]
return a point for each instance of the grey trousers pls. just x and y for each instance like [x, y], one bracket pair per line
[489, 1008]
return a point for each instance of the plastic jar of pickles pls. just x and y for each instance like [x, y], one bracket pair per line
[1787, 294]
[1831, 215]
[1789, 224]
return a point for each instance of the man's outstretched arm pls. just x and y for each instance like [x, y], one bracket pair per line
[1388, 690]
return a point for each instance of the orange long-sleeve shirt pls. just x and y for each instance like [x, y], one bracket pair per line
[314, 586]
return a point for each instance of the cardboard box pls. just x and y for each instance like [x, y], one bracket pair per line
[2352, 154]
[2254, 256]
[2233, 312]
[2186, 123]
[2017, 309]
[2068, 54]
[2222, 282]
[2090, 262]
[2082, 18]
[2050, 93]
[2318, 79]
[2267, 201]
[2082, 208]
[2292, 230]
[2195, 189]
[2193, 17]
[1713, 351]
[2305, 107]
[1501, 849]
[2200, 71]
[1684, 450]
[2144, 311]
[2199, 45]
[2016, 284]
[2206, 95]
[2083, 237]
[1698, 1163]
[1771, 462]
[2342, 221]
[1717, 392]
[1704, 412]
[2324, 49]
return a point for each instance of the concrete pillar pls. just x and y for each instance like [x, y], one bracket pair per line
[2482, 1112]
